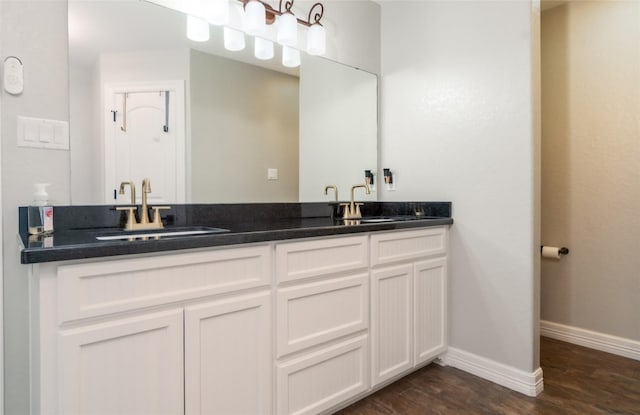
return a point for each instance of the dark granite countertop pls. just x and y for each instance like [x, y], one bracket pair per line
[76, 227]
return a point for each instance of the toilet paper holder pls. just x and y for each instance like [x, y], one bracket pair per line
[562, 251]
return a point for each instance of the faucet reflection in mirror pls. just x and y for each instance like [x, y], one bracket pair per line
[253, 17]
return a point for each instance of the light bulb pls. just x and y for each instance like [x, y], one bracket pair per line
[288, 30]
[233, 39]
[263, 49]
[255, 18]
[316, 40]
[290, 57]
[197, 29]
[219, 12]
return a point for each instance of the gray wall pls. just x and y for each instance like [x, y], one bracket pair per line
[244, 120]
[36, 32]
[458, 124]
[590, 166]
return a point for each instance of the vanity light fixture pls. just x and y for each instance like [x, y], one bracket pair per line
[219, 12]
[197, 29]
[253, 16]
[290, 57]
[233, 39]
[263, 49]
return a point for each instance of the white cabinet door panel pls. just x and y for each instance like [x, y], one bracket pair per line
[430, 300]
[127, 366]
[228, 356]
[391, 322]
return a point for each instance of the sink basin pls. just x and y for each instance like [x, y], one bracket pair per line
[376, 220]
[160, 233]
[383, 219]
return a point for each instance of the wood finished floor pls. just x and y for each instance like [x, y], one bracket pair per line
[577, 380]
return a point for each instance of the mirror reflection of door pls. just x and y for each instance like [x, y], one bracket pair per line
[145, 137]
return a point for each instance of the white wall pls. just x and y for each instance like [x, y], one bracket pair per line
[457, 124]
[591, 159]
[36, 32]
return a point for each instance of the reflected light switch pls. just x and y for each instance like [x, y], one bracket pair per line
[272, 174]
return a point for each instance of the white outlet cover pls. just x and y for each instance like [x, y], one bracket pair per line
[272, 174]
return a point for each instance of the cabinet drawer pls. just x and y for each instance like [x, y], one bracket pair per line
[314, 313]
[299, 260]
[98, 288]
[407, 245]
[321, 380]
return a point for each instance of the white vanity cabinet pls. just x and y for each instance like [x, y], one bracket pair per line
[408, 300]
[287, 327]
[164, 334]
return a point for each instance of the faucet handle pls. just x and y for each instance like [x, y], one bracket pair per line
[157, 220]
[131, 219]
[346, 211]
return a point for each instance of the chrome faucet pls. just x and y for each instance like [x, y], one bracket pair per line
[144, 223]
[352, 210]
[335, 190]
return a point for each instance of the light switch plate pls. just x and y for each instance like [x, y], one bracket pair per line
[272, 174]
[42, 133]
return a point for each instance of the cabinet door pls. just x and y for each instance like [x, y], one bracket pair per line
[391, 325]
[129, 366]
[228, 366]
[430, 305]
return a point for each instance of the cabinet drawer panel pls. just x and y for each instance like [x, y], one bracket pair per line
[325, 310]
[321, 380]
[300, 260]
[406, 245]
[87, 290]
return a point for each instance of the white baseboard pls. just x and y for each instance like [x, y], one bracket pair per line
[530, 384]
[594, 340]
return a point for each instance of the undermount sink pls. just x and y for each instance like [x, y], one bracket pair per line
[383, 219]
[160, 233]
[376, 220]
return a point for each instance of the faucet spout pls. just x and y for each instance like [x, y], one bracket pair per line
[354, 209]
[133, 191]
[335, 190]
[146, 188]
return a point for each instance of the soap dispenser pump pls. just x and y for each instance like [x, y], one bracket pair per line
[40, 218]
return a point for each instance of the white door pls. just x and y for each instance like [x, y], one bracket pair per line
[145, 137]
[228, 355]
[126, 366]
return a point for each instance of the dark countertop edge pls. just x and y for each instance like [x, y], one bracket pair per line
[118, 248]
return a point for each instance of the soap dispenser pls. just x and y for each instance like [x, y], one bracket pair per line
[40, 217]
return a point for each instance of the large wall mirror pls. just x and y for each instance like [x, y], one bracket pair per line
[205, 124]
